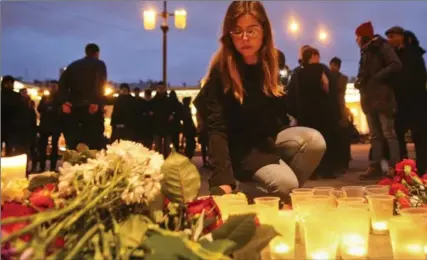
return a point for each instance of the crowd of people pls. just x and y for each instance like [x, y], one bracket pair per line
[268, 137]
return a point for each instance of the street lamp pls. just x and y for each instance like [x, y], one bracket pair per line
[323, 36]
[150, 16]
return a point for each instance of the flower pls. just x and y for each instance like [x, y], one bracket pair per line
[424, 178]
[211, 209]
[15, 190]
[404, 202]
[398, 189]
[406, 166]
[41, 198]
[386, 182]
[412, 178]
[12, 209]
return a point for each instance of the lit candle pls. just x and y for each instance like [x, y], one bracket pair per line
[14, 167]
[379, 226]
[414, 248]
[354, 245]
[320, 255]
[180, 19]
[425, 249]
[280, 249]
[356, 250]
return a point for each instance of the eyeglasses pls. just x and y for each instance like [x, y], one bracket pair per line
[250, 33]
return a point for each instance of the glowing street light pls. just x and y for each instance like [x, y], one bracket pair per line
[323, 36]
[294, 27]
[149, 17]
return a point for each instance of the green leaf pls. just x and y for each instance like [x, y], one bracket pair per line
[181, 182]
[238, 228]
[252, 250]
[223, 246]
[42, 179]
[198, 227]
[156, 209]
[132, 231]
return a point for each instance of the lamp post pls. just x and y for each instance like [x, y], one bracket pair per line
[149, 17]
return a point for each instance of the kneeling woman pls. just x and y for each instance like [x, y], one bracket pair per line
[244, 110]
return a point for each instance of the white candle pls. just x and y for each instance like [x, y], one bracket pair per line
[380, 226]
[14, 167]
[320, 255]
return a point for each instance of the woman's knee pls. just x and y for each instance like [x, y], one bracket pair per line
[277, 179]
[301, 139]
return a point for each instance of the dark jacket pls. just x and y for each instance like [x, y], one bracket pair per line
[241, 136]
[49, 109]
[12, 109]
[188, 127]
[124, 112]
[410, 84]
[83, 81]
[377, 68]
[162, 109]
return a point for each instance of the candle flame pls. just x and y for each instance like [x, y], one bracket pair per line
[415, 248]
[281, 248]
[320, 255]
[356, 251]
[380, 226]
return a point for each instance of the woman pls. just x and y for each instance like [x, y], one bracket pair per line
[244, 110]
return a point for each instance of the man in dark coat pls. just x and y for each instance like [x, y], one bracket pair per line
[123, 118]
[81, 89]
[411, 96]
[12, 108]
[163, 116]
[378, 65]
[49, 109]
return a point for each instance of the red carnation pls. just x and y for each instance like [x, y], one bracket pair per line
[404, 202]
[397, 179]
[386, 182]
[12, 209]
[406, 166]
[41, 198]
[412, 178]
[398, 188]
[212, 211]
[424, 178]
[59, 242]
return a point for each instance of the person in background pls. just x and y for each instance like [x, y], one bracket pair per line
[203, 139]
[242, 100]
[49, 110]
[12, 108]
[139, 116]
[28, 130]
[148, 132]
[163, 116]
[344, 150]
[176, 123]
[378, 66]
[81, 89]
[123, 121]
[189, 129]
[316, 107]
[411, 95]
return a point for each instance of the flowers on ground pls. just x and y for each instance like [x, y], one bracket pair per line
[410, 190]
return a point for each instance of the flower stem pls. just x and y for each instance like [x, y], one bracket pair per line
[82, 242]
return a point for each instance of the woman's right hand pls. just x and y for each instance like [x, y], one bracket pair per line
[226, 188]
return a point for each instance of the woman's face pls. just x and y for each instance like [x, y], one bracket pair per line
[248, 37]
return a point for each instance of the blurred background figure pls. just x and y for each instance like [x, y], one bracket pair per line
[28, 130]
[176, 122]
[49, 110]
[189, 129]
[123, 118]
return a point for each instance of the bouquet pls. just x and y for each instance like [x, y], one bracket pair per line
[125, 202]
[409, 189]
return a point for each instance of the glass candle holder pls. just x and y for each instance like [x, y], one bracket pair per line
[354, 230]
[353, 191]
[381, 207]
[303, 190]
[407, 238]
[267, 207]
[283, 246]
[377, 190]
[321, 235]
[323, 190]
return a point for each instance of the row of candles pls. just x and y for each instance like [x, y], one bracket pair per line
[332, 222]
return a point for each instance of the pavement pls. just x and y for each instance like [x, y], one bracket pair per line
[357, 166]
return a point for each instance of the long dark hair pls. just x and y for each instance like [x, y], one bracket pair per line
[226, 58]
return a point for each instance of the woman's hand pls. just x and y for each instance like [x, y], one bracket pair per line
[226, 188]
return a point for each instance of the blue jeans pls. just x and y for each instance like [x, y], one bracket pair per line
[301, 150]
[381, 129]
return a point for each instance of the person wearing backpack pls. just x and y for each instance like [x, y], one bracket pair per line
[377, 68]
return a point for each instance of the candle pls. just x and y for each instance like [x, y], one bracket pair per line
[180, 19]
[14, 167]
[320, 255]
[407, 239]
[280, 248]
[357, 251]
[149, 18]
[425, 249]
[380, 226]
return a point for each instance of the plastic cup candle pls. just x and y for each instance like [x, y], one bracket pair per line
[280, 248]
[354, 228]
[345, 200]
[323, 191]
[321, 234]
[407, 238]
[381, 207]
[268, 208]
[353, 191]
[326, 200]
[303, 190]
[14, 167]
[377, 190]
